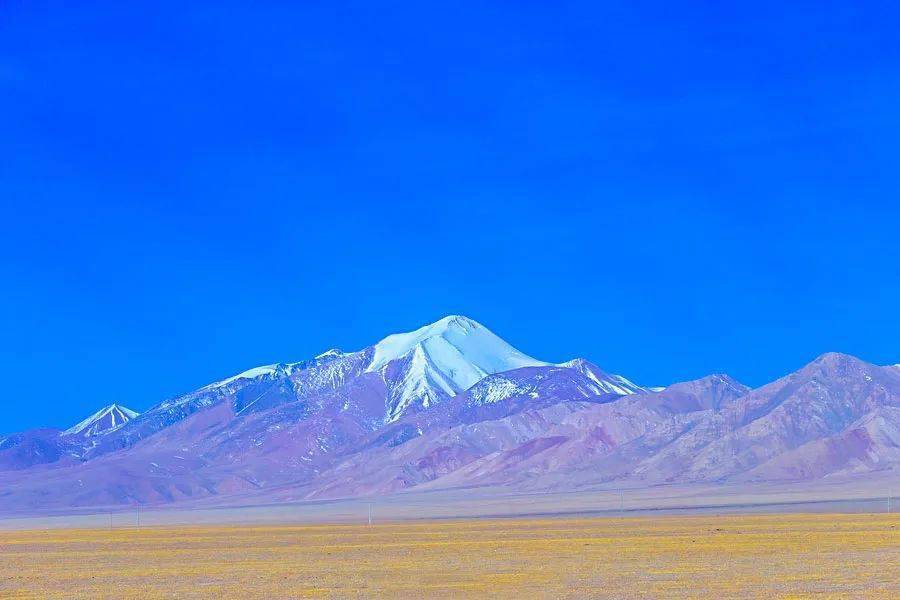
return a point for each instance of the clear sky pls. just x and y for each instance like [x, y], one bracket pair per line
[669, 189]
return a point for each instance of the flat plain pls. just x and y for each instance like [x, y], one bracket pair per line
[749, 556]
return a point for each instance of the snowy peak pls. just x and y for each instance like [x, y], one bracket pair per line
[439, 360]
[609, 383]
[103, 421]
[450, 340]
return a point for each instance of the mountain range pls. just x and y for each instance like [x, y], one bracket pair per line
[452, 405]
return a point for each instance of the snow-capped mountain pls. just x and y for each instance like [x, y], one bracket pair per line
[438, 361]
[451, 404]
[52, 446]
[342, 392]
[401, 374]
[103, 421]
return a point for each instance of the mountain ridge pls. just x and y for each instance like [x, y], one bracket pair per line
[453, 405]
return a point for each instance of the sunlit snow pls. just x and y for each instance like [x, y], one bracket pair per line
[96, 423]
[444, 358]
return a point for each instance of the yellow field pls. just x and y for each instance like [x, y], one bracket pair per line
[787, 556]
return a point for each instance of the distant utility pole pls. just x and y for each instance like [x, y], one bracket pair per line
[370, 513]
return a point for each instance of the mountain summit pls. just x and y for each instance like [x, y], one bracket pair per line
[440, 360]
[103, 421]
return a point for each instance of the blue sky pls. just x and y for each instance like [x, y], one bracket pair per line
[192, 189]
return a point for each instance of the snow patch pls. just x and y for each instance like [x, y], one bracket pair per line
[609, 383]
[248, 374]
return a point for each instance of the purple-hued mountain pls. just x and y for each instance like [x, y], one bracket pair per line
[44, 446]
[452, 405]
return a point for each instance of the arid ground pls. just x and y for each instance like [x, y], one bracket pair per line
[788, 555]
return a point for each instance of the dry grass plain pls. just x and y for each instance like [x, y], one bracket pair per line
[770, 556]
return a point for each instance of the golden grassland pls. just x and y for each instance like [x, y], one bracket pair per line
[771, 556]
